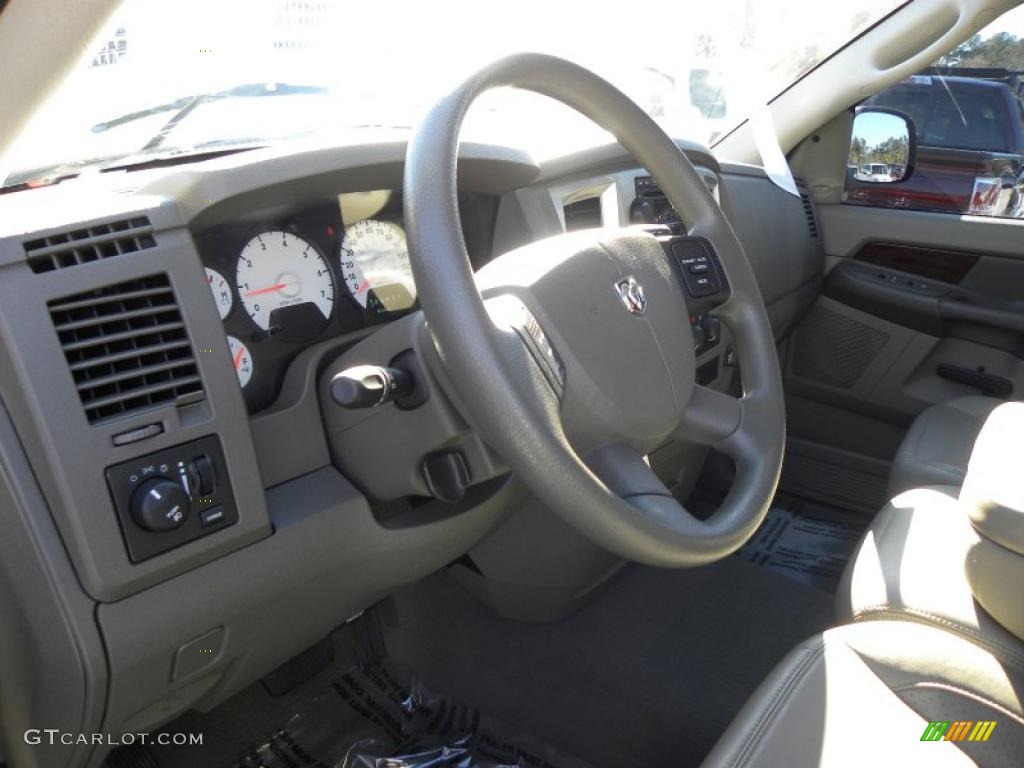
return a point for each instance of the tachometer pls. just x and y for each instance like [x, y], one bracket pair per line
[223, 296]
[242, 359]
[375, 266]
[278, 270]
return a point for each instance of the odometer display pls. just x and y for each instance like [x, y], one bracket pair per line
[278, 269]
[375, 266]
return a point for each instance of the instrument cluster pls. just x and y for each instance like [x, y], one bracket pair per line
[286, 279]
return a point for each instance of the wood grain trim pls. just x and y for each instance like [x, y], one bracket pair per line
[932, 263]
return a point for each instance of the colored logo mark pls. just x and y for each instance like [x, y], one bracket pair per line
[958, 730]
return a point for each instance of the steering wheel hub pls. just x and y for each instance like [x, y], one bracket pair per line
[628, 375]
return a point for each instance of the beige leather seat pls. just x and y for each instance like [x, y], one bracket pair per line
[952, 556]
[936, 591]
[912, 564]
[863, 695]
[937, 447]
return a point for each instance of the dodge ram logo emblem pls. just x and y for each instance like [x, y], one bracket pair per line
[632, 295]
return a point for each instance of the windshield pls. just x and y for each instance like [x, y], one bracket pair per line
[201, 75]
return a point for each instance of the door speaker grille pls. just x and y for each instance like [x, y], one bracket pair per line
[833, 349]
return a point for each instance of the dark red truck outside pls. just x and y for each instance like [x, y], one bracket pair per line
[970, 147]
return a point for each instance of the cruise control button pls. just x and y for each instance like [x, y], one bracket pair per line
[702, 286]
[689, 250]
[696, 262]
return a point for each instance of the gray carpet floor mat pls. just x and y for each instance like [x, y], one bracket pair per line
[805, 541]
[649, 673]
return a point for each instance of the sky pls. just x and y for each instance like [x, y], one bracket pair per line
[1011, 21]
[875, 128]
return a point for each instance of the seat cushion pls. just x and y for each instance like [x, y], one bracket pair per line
[938, 445]
[993, 491]
[992, 497]
[912, 563]
[864, 694]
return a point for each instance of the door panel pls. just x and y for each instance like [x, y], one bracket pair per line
[921, 301]
[846, 228]
[916, 308]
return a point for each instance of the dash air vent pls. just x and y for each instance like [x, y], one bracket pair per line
[583, 214]
[812, 225]
[127, 347]
[80, 246]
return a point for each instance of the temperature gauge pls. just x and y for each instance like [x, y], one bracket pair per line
[223, 296]
[242, 359]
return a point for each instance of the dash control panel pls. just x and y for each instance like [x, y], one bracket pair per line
[172, 497]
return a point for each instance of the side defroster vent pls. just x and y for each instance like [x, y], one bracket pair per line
[127, 347]
[80, 246]
[812, 225]
[583, 214]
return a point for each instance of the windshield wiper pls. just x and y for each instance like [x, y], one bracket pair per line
[207, 151]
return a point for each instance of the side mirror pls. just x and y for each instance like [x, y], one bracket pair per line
[882, 146]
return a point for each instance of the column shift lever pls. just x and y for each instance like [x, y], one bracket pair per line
[367, 386]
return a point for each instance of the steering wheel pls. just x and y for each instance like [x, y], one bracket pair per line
[573, 357]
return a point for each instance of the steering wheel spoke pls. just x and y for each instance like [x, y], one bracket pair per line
[710, 418]
[624, 471]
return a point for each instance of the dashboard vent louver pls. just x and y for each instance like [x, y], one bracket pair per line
[127, 347]
[92, 243]
[812, 225]
[583, 214]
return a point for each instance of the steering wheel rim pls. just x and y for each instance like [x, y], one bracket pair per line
[611, 495]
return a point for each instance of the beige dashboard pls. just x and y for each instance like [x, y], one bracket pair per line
[117, 372]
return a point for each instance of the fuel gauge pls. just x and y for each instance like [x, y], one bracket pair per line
[242, 359]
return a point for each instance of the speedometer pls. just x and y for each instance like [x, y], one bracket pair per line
[277, 271]
[375, 266]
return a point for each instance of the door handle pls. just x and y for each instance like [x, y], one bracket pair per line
[1008, 319]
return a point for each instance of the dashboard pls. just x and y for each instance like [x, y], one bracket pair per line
[170, 334]
[283, 279]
